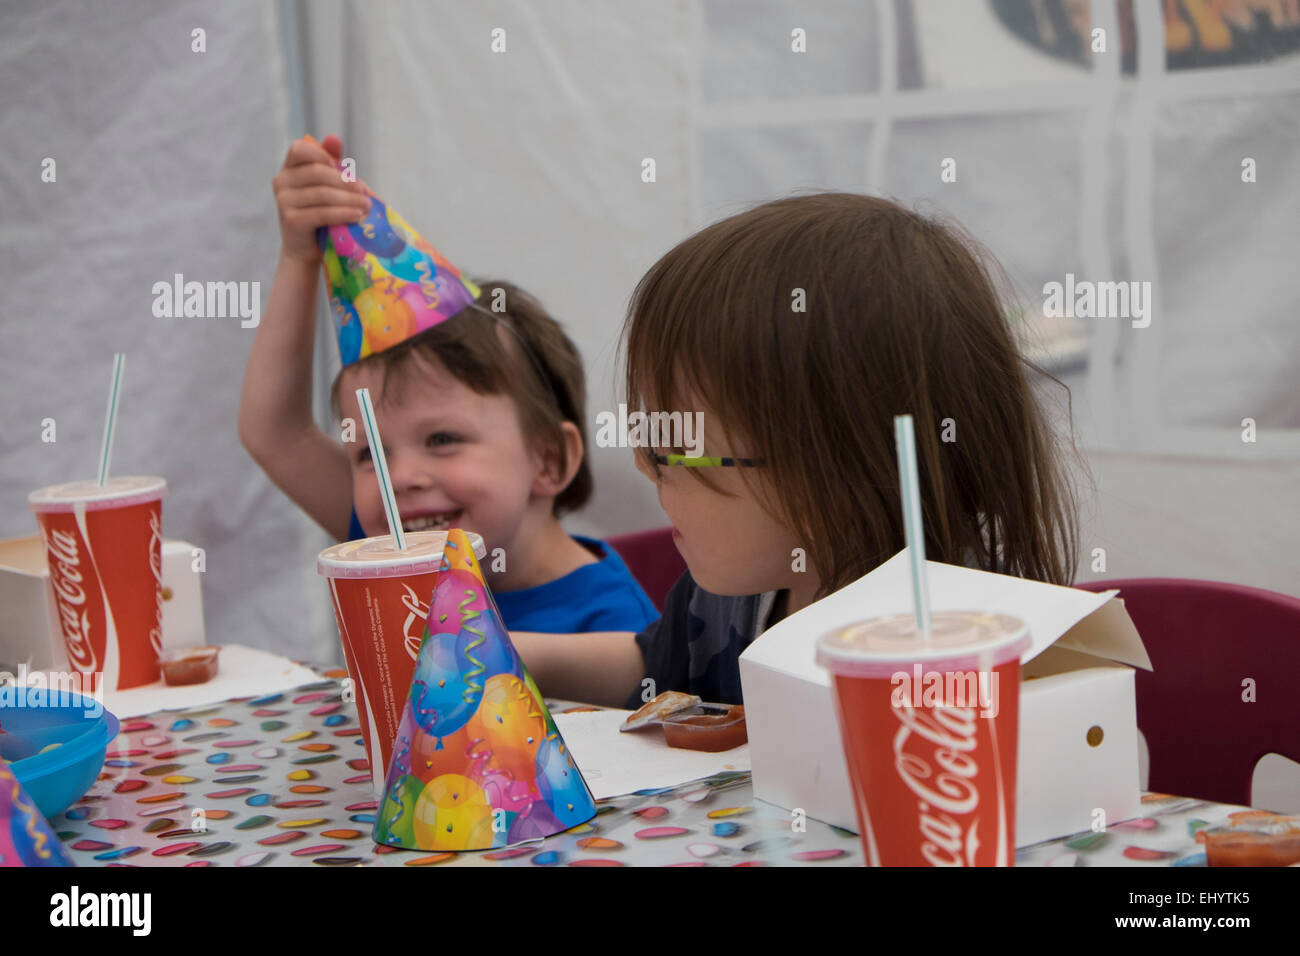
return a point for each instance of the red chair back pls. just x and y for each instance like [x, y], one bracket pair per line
[653, 560]
[1223, 693]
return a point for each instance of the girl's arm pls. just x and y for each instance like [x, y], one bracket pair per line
[599, 668]
[275, 418]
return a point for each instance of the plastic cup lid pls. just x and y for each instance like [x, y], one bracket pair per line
[118, 492]
[378, 557]
[959, 640]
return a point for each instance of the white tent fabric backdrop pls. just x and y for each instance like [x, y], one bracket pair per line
[527, 164]
[163, 161]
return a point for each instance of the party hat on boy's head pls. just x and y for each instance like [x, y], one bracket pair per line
[26, 839]
[478, 761]
[386, 283]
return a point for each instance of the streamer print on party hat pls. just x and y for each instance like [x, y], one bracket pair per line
[26, 839]
[478, 762]
[386, 283]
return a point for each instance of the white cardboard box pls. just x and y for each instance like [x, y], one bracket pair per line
[27, 628]
[1075, 679]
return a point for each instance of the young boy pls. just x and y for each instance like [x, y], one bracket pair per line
[480, 412]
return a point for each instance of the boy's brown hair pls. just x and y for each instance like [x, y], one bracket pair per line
[901, 316]
[505, 344]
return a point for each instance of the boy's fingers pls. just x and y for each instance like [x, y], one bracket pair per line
[317, 216]
[306, 150]
[317, 197]
[301, 151]
[313, 174]
[334, 146]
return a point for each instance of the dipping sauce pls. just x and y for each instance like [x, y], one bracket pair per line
[190, 665]
[708, 727]
[1253, 838]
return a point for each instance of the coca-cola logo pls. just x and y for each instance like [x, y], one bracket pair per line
[413, 626]
[155, 565]
[935, 757]
[64, 558]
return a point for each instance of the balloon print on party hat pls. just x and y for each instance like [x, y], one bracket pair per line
[386, 283]
[26, 839]
[478, 762]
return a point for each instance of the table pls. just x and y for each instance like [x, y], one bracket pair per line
[283, 780]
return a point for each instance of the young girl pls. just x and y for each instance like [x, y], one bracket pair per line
[800, 329]
[480, 415]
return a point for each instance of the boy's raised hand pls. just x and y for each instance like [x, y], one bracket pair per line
[310, 193]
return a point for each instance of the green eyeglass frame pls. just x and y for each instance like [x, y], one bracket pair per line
[703, 461]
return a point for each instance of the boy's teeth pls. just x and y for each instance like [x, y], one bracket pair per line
[439, 522]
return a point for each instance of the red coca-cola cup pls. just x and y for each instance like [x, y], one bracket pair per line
[381, 599]
[930, 732]
[103, 544]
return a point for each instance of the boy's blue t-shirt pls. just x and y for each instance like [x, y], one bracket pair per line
[594, 597]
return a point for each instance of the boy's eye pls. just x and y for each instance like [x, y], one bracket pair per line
[363, 456]
[442, 439]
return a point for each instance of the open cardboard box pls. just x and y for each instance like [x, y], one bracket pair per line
[1078, 715]
[28, 625]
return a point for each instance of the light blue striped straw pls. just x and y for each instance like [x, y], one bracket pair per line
[914, 530]
[110, 417]
[381, 466]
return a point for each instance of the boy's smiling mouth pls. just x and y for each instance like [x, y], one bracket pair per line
[430, 521]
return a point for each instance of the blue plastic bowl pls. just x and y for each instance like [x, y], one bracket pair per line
[58, 778]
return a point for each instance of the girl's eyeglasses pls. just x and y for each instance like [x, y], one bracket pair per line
[702, 461]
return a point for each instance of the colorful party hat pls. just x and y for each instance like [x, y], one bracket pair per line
[25, 837]
[386, 283]
[478, 761]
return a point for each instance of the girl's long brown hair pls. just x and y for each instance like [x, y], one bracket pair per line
[901, 316]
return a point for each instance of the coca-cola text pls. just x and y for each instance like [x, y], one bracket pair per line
[64, 557]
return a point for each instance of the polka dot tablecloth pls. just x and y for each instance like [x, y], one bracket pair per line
[283, 780]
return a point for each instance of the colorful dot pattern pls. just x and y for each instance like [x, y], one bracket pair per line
[282, 780]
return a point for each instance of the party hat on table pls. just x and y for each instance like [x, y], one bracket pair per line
[478, 761]
[386, 283]
[26, 839]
